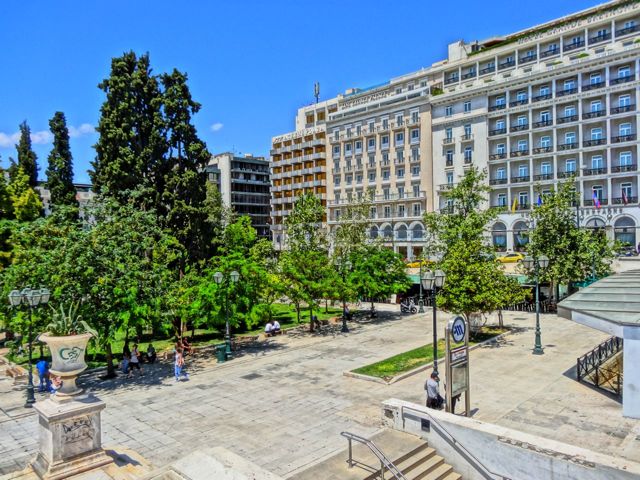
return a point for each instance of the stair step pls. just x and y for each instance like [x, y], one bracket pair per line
[424, 468]
[412, 460]
[453, 476]
[438, 473]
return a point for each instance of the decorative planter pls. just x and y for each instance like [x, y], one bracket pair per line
[67, 355]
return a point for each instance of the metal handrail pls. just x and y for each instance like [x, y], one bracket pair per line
[595, 358]
[457, 446]
[384, 461]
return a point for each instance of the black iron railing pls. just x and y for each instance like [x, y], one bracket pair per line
[593, 361]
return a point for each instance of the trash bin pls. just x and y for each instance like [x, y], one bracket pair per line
[221, 354]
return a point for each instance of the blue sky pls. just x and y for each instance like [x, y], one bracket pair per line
[251, 64]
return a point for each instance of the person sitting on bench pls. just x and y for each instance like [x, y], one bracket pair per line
[275, 329]
[268, 329]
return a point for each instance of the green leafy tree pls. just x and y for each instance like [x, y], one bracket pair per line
[60, 168]
[475, 282]
[574, 253]
[6, 205]
[27, 159]
[26, 203]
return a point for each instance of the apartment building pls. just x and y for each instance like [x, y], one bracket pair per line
[84, 196]
[551, 103]
[299, 165]
[244, 184]
[380, 151]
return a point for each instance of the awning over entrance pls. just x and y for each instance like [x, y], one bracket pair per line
[612, 305]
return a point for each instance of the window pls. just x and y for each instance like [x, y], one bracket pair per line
[416, 190]
[384, 141]
[417, 210]
[371, 144]
[629, 24]
[626, 190]
[500, 125]
[596, 106]
[349, 179]
[501, 173]
[385, 193]
[399, 119]
[415, 154]
[570, 137]
[348, 129]
[545, 141]
[448, 133]
[523, 171]
[522, 120]
[624, 158]
[336, 134]
[385, 175]
[359, 146]
[624, 100]
[597, 191]
[400, 156]
[576, 40]
[372, 161]
[596, 161]
[401, 210]
[410, 86]
[467, 131]
[347, 149]
[595, 78]
[400, 172]
[336, 165]
[358, 130]
[500, 100]
[415, 136]
[415, 116]
[415, 171]
[336, 180]
[502, 199]
[398, 90]
[336, 214]
[399, 138]
[371, 126]
[448, 111]
[596, 133]
[523, 145]
[624, 129]
[467, 106]
[385, 158]
[500, 148]
[544, 116]
[569, 111]
[521, 95]
[544, 90]
[359, 180]
[468, 152]
[449, 178]
[569, 84]
[523, 198]
[570, 165]
[400, 192]
[449, 156]
[385, 123]
[372, 177]
[373, 212]
[336, 150]
[545, 168]
[387, 211]
[624, 72]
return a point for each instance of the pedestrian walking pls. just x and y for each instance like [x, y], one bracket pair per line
[434, 400]
[179, 365]
[134, 362]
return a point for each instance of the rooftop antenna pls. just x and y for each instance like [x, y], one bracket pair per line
[316, 90]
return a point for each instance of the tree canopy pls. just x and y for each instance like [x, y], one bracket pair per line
[60, 165]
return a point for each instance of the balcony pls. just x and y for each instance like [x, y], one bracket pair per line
[518, 128]
[547, 149]
[623, 200]
[594, 171]
[528, 58]
[448, 141]
[592, 86]
[573, 46]
[590, 203]
[489, 69]
[623, 109]
[623, 138]
[550, 52]
[497, 106]
[623, 79]
[539, 98]
[601, 37]
[519, 153]
[567, 119]
[594, 114]
[444, 187]
[543, 123]
[624, 168]
[568, 146]
[467, 138]
[523, 206]
[507, 64]
[450, 80]
[449, 163]
[521, 179]
[593, 142]
[500, 207]
[567, 174]
[543, 176]
[469, 75]
[497, 156]
[627, 30]
[497, 131]
[566, 91]
[498, 181]
[522, 101]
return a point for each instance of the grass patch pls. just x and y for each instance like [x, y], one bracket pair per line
[406, 361]
[287, 318]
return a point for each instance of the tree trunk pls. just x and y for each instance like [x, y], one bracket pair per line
[311, 325]
[326, 306]
[139, 332]
[297, 304]
[193, 330]
[111, 371]
[500, 319]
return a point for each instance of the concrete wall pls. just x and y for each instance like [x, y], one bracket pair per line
[508, 453]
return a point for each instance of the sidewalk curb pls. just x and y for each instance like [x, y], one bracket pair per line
[419, 369]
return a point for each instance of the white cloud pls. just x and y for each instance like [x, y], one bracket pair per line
[216, 127]
[43, 137]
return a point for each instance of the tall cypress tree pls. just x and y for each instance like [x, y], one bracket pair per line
[60, 168]
[27, 159]
[131, 142]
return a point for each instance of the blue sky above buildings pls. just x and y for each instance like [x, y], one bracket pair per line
[251, 64]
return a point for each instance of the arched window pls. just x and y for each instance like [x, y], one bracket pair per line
[625, 231]
[595, 222]
[373, 232]
[417, 232]
[499, 236]
[402, 232]
[520, 236]
[388, 232]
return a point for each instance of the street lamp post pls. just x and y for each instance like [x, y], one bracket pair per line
[421, 299]
[344, 266]
[535, 264]
[220, 279]
[32, 298]
[432, 281]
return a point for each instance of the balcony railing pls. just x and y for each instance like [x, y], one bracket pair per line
[469, 75]
[622, 79]
[449, 163]
[467, 137]
[518, 128]
[627, 30]
[568, 146]
[497, 106]
[573, 46]
[623, 109]
[521, 179]
[519, 153]
[593, 142]
[623, 138]
[497, 181]
[550, 52]
[592, 86]
[497, 156]
[543, 150]
[489, 69]
[624, 168]
[507, 64]
[588, 202]
[450, 80]
[543, 176]
[594, 113]
[594, 171]
[528, 58]
[539, 98]
[497, 131]
[624, 200]
[523, 206]
[448, 140]
[543, 123]
[601, 37]
[568, 118]
[566, 91]
[567, 174]
[522, 101]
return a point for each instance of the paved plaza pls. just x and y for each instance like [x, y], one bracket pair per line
[284, 406]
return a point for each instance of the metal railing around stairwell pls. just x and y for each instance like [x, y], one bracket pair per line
[456, 445]
[384, 461]
[593, 360]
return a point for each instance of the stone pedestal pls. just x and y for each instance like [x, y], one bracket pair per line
[70, 437]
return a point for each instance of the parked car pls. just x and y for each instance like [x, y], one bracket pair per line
[513, 257]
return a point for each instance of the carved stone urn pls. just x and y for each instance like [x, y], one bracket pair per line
[67, 354]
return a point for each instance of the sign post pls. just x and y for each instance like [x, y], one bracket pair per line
[457, 363]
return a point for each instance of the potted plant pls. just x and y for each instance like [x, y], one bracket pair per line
[67, 336]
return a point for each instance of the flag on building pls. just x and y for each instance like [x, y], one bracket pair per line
[514, 207]
[596, 200]
[625, 200]
[539, 199]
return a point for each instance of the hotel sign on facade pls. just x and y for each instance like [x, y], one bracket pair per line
[297, 134]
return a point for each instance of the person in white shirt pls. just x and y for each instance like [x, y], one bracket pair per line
[434, 400]
[268, 329]
[276, 327]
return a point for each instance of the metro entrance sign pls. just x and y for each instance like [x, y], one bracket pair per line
[457, 363]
